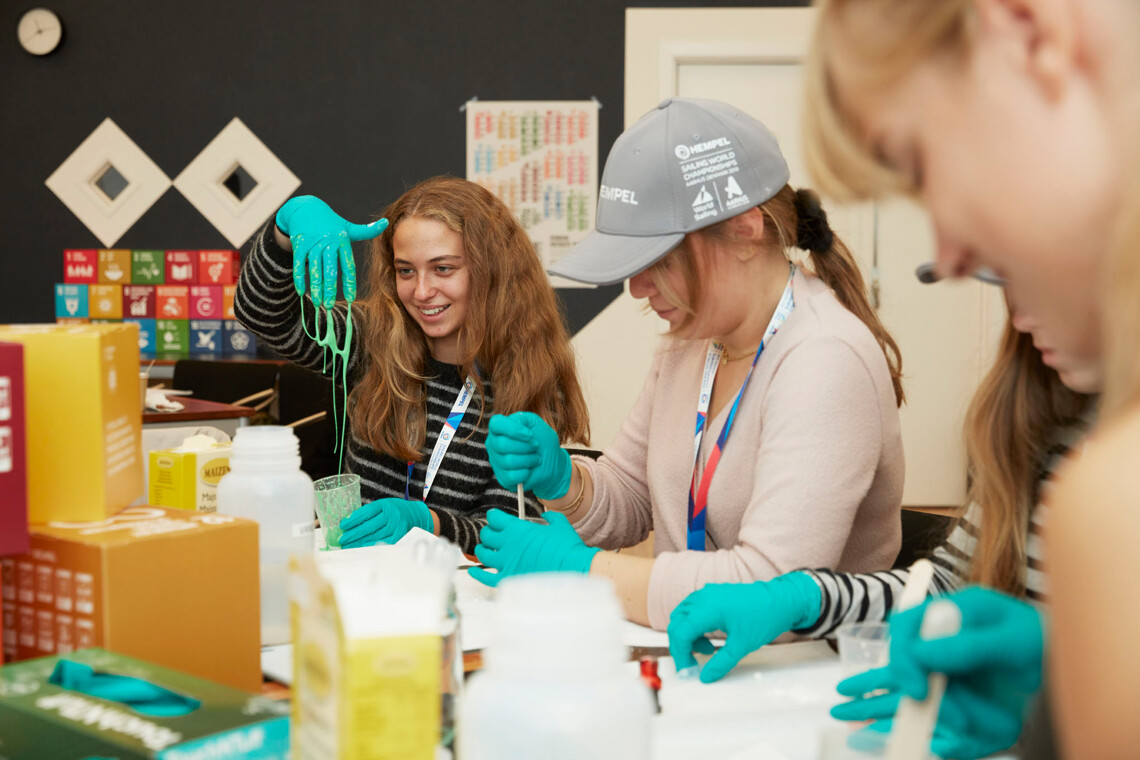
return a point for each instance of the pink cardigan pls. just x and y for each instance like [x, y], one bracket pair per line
[811, 476]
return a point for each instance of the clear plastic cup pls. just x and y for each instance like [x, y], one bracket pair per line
[863, 646]
[337, 497]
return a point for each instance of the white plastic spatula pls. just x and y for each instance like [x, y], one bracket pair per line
[917, 584]
[522, 502]
[915, 719]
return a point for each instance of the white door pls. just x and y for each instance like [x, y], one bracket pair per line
[753, 59]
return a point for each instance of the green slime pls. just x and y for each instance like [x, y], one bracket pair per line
[328, 344]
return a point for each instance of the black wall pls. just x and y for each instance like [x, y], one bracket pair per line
[359, 98]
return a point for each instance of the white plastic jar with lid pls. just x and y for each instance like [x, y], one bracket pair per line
[556, 682]
[265, 483]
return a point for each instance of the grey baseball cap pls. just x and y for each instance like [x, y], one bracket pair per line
[927, 273]
[685, 165]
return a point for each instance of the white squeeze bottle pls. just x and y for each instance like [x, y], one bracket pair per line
[265, 483]
[556, 682]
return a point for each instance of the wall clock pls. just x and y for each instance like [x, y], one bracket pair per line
[40, 31]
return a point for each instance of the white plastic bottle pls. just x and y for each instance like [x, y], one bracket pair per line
[556, 682]
[265, 483]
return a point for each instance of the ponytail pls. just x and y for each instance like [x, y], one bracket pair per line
[800, 210]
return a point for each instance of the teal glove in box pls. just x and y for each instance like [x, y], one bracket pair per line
[42, 719]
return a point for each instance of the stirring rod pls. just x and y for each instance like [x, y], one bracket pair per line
[917, 583]
[915, 719]
[522, 501]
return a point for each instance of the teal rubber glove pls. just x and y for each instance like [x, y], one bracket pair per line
[523, 449]
[384, 521]
[994, 667]
[751, 614]
[322, 244]
[141, 696]
[513, 547]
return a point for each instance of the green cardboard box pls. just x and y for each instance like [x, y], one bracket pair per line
[148, 267]
[46, 721]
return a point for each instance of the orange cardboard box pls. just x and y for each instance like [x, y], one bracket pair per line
[84, 417]
[168, 586]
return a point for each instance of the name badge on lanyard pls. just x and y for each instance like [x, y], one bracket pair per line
[699, 490]
[450, 425]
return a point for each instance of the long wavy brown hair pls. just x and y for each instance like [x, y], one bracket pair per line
[1010, 428]
[514, 334]
[836, 267]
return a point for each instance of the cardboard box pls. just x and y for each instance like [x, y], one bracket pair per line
[138, 301]
[54, 722]
[173, 336]
[71, 302]
[13, 452]
[82, 398]
[238, 341]
[81, 266]
[205, 302]
[217, 267]
[148, 267]
[181, 267]
[174, 587]
[367, 682]
[115, 266]
[105, 301]
[171, 301]
[185, 479]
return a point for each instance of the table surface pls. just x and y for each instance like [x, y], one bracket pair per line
[196, 409]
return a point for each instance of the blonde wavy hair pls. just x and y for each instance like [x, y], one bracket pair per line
[514, 331]
[881, 42]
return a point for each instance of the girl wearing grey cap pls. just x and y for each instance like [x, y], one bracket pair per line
[791, 379]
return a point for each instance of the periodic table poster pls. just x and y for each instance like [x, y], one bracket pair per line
[541, 159]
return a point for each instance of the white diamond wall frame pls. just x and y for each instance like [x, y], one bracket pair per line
[108, 182]
[236, 182]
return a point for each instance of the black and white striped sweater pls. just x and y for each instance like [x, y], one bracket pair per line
[464, 489]
[859, 597]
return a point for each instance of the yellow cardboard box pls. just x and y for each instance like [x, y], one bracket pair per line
[84, 419]
[366, 676]
[176, 588]
[188, 478]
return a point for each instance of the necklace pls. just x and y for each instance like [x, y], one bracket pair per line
[726, 357]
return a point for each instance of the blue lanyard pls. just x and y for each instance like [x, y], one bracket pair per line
[450, 425]
[699, 488]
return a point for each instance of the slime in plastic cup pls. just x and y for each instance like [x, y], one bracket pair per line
[337, 497]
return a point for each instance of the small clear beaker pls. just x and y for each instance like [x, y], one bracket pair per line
[863, 646]
[337, 497]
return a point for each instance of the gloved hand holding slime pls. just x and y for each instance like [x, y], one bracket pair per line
[322, 244]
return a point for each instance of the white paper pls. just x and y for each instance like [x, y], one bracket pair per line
[541, 159]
